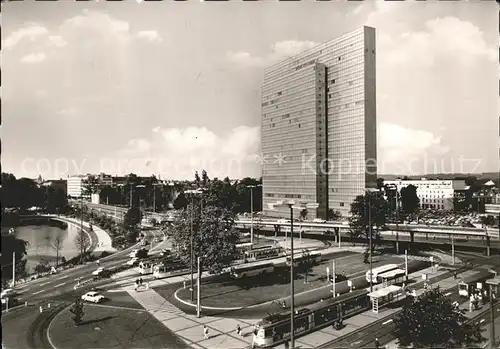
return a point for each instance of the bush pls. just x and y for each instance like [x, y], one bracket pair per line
[104, 254]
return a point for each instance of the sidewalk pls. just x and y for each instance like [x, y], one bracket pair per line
[104, 240]
[223, 330]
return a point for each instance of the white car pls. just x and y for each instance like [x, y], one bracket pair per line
[98, 271]
[9, 292]
[93, 297]
[133, 261]
[133, 253]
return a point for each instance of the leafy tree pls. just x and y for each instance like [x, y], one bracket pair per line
[214, 236]
[77, 311]
[181, 202]
[204, 179]
[243, 193]
[11, 244]
[197, 179]
[303, 214]
[359, 220]
[132, 218]
[409, 199]
[306, 263]
[433, 322]
[334, 215]
[42, 267]
[57, 244]
[221, 194]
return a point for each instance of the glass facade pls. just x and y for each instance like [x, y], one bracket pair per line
[319, 125]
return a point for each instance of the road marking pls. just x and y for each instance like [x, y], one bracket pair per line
[357, 342]
[447, 294]
[386, 322]
[64, 277]
[45, 283]
[60, 284]
[34, 293]
[482, 320]
[115, 291]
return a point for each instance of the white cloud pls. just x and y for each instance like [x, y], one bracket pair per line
[99, 23]
[68, 112]
[30, 33]
[149, 35]
[279, 51]
[33, 58]
[57, 41]
[402, 147]
[178, 152]
[443, 38]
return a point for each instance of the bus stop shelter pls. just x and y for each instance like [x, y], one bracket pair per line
[392, 276]
[494, 286]
[383, 296]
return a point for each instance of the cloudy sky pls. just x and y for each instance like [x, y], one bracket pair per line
[168, 87]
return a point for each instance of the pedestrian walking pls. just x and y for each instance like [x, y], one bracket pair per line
[377, 343]
[205, 331]
[140, 281]
[455, 274]
[287, 345]
[238, 330]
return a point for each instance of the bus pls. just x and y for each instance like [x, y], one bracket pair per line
[243, 271]
[165, 270]
[145, 267]
[242, 248]
[473, 283]
[315, 256]
[380, 270]
[264, 252]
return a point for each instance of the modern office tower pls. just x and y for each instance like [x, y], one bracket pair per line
[319, 126]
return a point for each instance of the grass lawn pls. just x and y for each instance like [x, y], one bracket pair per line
[112, 328]
[255, 290]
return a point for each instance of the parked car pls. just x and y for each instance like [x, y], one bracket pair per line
[166, 253]
[93, 297]
[133, 262]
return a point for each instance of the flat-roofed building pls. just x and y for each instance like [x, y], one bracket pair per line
[319, 125]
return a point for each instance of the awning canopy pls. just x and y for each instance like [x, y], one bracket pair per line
[384, 291]
[392, 274]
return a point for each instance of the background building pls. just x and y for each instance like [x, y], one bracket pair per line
[58, 184]
[319, 125]
[76, 186]
[434, 194]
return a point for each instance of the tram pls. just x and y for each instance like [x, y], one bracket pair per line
[243, 271]
[145, 267]
[165, 270]
[473, 283]
[275, 329]
[376, 272]
[264, 252]
[315, 256]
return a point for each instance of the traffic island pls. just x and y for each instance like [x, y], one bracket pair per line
[252, 291]
[104, 327]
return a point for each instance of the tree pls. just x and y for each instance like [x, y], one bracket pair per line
[409, 199]
[77, 311]
[132, 218]
[306, 263]
[42, 267]
[181, 202]
[204, 179]
[433, 322]
[359, 220]
[11, 244]
[303, 214]
[57, 244]
[197, 179]
[334, 215]
[82, 243]
[214, 236]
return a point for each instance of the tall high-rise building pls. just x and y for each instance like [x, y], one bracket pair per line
[319, 125]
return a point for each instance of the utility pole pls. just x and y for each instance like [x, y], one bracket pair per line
[370, 238]
[292, 285]
[198, 293]
[251, 215]
[397, 221]
[334, 279]
[154, 198]
[131, 188]
[13, 270]
[492, 317]
[406, 265]
[191, 259]
[452, 250]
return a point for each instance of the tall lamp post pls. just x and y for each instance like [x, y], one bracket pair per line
[300, 206]
[192, 193]
[369, 193]
[251, 209]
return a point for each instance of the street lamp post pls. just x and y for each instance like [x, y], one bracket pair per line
[368, 194]
[193, 193]
[292, 205]
[251, 210]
